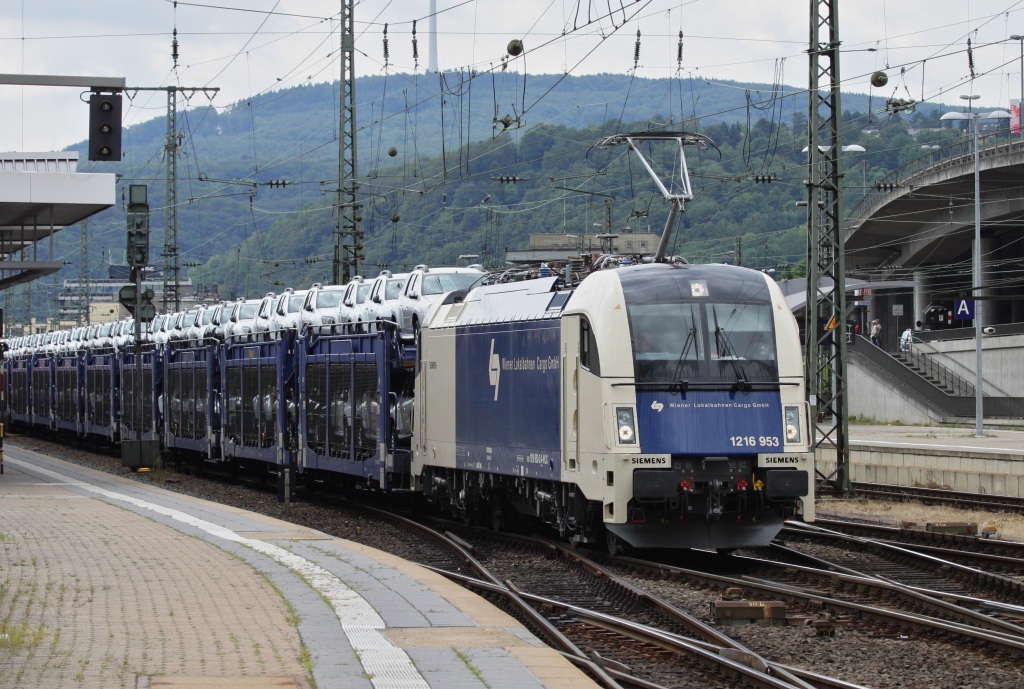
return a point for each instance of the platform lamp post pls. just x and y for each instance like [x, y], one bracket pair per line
[973, 120]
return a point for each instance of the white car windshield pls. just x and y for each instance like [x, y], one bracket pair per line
[393, 289]
[326, 300]
[440, 283]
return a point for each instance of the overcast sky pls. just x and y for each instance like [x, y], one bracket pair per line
[262, 45]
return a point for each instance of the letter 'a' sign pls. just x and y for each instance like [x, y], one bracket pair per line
[963, 309]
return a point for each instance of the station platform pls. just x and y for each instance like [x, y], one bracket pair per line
[996, 438]
[107, 582]
[935, 456]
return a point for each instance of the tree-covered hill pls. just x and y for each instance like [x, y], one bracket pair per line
[257, 180]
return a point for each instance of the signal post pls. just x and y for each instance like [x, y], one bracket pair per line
[136, 452]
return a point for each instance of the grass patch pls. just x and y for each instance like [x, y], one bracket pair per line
[15, 637]
[307, 663]
[472, 668]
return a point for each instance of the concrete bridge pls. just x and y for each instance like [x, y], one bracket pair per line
[920, 227]
[913, 238]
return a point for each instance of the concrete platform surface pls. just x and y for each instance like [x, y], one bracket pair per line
[939, 438]
[106, 582]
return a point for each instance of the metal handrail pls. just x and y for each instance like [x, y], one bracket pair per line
[939, 375]
[925, 391]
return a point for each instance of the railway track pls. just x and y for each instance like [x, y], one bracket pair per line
[599, 620]
[941, 570]
[992, 555]
[846, 601]
[974, 501]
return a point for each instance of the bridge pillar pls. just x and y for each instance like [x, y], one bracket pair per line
[922, 297]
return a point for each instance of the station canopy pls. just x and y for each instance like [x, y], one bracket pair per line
[40, 194]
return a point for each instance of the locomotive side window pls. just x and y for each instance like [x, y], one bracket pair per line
[588, 348]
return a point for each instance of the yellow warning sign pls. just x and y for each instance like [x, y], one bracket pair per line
[832, 323]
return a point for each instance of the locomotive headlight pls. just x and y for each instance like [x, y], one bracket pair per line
[625, 425]
[794, 433]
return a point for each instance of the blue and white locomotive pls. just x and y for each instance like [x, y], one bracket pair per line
[656, 405]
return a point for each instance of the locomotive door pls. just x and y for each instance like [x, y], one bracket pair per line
[570, 393]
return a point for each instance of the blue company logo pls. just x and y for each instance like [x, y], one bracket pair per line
[494, 370]
[657, 406]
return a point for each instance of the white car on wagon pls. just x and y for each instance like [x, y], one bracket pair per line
[381, 304]
[425, 286]
[321, 301]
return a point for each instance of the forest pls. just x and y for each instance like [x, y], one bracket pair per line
[450, 165]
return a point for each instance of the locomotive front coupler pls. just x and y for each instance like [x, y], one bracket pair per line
[714, 511]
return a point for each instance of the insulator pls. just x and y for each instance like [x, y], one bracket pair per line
[386, 43]
[174, 46]
[415, 48]
[679, 51]
[636, 50]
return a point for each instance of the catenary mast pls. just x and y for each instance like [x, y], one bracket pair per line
[348, 245]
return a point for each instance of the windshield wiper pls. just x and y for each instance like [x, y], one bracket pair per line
[691, 338]
[725, 351]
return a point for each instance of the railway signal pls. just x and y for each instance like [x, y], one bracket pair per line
[138, 226]
[105, 126]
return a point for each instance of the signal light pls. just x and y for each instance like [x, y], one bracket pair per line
[138, 240]
[105, 126]
[138, 226]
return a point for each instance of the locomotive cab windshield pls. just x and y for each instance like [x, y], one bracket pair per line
[678, 344]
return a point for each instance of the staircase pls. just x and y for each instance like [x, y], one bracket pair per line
[935, 373]
[932, 383]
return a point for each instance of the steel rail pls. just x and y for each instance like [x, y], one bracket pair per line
[1010, 643]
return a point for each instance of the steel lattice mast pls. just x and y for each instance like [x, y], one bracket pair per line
[825, 344]
[348, 237]
[172, 283]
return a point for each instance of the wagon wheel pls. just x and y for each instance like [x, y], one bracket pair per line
[497, 518]
[615, 544]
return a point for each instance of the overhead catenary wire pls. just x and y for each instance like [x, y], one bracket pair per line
[262, 164]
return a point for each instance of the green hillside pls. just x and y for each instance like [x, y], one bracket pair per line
[431, 148]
